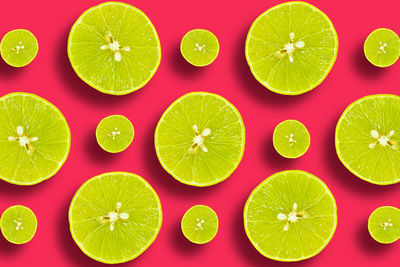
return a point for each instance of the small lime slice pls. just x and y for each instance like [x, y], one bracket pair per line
[19, 47]
[114, 48]
[382, 47]
[291, 48]
[384, 224]
[200, 224]
[290, 216]
[115, 217]
[114, 133]
[291, 139]
[367, 138]
[200, 139]
[199, 47]
[18, 224]
[34, 139]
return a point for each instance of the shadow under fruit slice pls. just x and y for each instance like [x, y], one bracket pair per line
[114, 48]
[115, 217]
[18, 224]
[384, 224]
[291, 139]
[114, 133]
[34, 139]
[200, 139]
[290, 216]
[291, 48]
[200, 224]
[19, 47]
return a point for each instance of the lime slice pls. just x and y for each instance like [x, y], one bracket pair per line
[34, 139]
[384, 224]
[199, 47]
[114, 48]
[19, 47]
[367, 137]
[115, 217]
[291, 48]
[290, 216]
[18, 224]
[382, 47]
[200, 224]
[114, 133]
[200, 139]
[291, 139]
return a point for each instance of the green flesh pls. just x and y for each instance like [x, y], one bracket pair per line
[382, 47]
[18, 224]
[291, 139]
[114, 133]
[19, 47]
[200, 224]
[384, 224]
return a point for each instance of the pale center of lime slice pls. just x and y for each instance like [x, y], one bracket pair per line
[115, 133]
[382, 47]
[291, 217]
[383, 140]
[290, 47]
[198, 140]
[22, 139]
[18, 47]
[290, 138]
[200, 47]
[199, 225]
[114, 216]
[18, 224]
[115, 47]
[386, 224]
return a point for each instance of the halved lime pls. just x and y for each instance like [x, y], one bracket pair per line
[199, 47]
[114, 48]
[291, 139]
[115, 217]
[367, 138]
[290, 216]
[384, 224]
[382, 47]
[114, 133]
[34, 139]
[291, 48]
[18, 224]
[19, 47]
[200, 139]
[200, 224]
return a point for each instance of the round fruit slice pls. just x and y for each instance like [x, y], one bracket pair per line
[114, 133]
[114, 48]
[115, 217]
[290, 216]
[34, 139]
[200, 139]
[18, 224]
[382, 47]
[19, 47]
[200, 224]
[199, 47]
[384, 224]
[291, 48]
[291, 139]
[367, 138]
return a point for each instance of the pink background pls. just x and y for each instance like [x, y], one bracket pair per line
[51, 76]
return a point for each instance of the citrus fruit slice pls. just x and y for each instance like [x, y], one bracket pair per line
[290, 216]
[19, 47]
[384, 224]
[367, 137]
[18, 224]
[200, 139]
[114, 133]
[291, 139]
[199, 47]
[200, 224]
[114, 48]
[291, 48]
[382, 47]
[34, 139]
[115, 217]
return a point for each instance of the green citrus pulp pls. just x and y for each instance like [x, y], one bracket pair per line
[200, 139]
[34, 139]
[19, 47]
[291, 139]
[367, 137]
[114, 48]
[114, 133]
[291, 48]
[290, 216]
[18, 224]
[382, 47]
[384, 224]
[199, 47]
[200, 224]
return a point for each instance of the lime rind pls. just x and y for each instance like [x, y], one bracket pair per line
[377, 213]
[27, 210]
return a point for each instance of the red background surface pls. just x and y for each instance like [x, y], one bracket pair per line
[51, 77]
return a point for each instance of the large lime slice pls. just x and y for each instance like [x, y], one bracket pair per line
[291, 139]
[291, 48]
[200, 139]
[34, 139]
[290, 216]
[19, 47]
[367, 137]
[114, 133]
[18, 224]
[115, 217]
[384, 224]
[114, 48]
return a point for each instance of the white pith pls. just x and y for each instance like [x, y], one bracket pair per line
[291, 139]
[19, 224]
[382, 47]
[19, 47]
[383, 140]
[289, 48]
[114, 216]
[291, 217]
[198, 140]
[200, 47]
[22, 139]
[386, 224]
[199, 224]
[115, 133]
[115, 47]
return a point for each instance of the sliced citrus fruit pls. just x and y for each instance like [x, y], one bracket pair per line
[291, 139]
[114, 133]
[382, 47]
[200, 224]
[19, 47]
[18, 224]
[384, 224]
